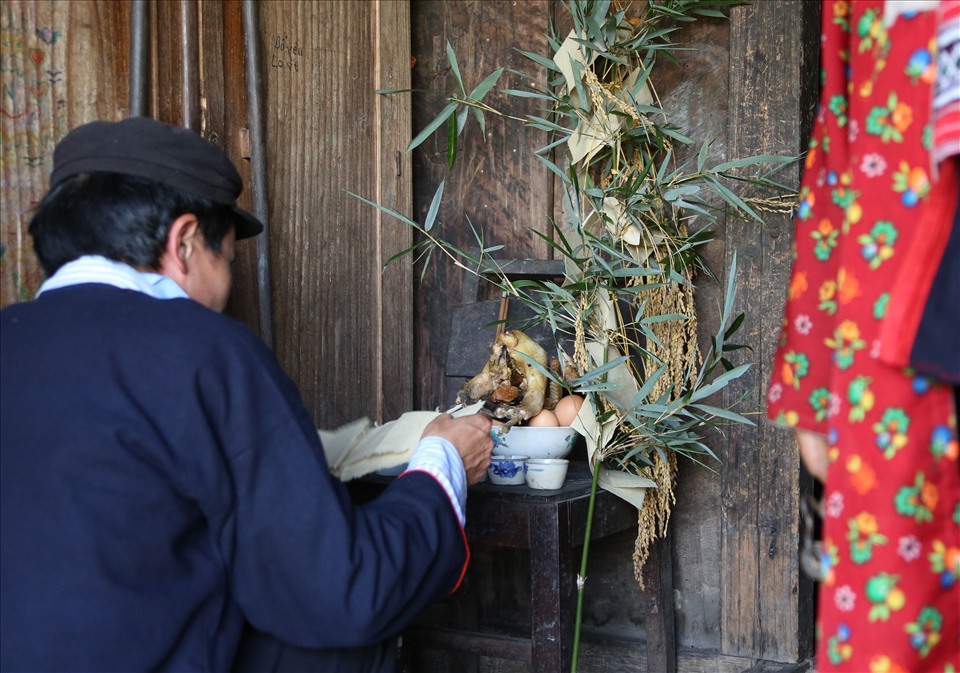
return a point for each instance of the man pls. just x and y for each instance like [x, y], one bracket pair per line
[162, 483]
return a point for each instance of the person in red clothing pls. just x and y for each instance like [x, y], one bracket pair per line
[870, 397]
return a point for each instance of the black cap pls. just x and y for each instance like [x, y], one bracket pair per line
[147, 148]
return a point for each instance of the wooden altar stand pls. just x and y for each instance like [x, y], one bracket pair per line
[549, 524]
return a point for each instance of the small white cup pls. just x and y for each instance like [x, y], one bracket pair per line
[546, 473]
[507, 470]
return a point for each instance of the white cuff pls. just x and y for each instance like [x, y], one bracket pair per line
[439, 458]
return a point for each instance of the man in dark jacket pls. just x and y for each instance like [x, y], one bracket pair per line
[162, 483]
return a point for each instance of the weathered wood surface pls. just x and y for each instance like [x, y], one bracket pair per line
[733, 598]
[62, 64]
[329, 133]
[763, 596]
[220, 99]
[496, 184]
[692, 89]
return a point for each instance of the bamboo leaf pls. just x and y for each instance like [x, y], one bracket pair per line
[482, 121]
[434, 208]
[719, 382]
[702, 156]
[540, 60]
[452, 140]
[648, 386]
[750, 161]
[455, 68]
[445, 114]
[383, 209]
[483, 87]
[594, 374]
[723, 413]
[733, 199]
[462, 117]
[519, 93]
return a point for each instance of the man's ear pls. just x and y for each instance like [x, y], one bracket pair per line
[182, 242]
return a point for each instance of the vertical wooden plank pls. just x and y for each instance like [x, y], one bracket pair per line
[63, 64]
[166, 62]
[694, 91]
[323, 141]
[394, 189]
[223, 94]
[497, 185]
[761, 584]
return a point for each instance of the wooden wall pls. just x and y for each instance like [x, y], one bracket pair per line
[749, 84]
[342, 328]
[358, 341]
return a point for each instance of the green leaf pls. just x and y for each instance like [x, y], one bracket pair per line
[705, 11]
[434, 208]
[594, 374]
[452, 139]
[719, 382]
[541, 60]
[483, 87]
[383, 209]
[723, 413]
[673, 194]
[750, 161]
[462, 118]
[734, 326]
[452, 57]
[733, 199]
[444, 115]
[519, 93]
[702, 156]
[482, 121]
[731, 294]
[404, 253]
[676, 135]
[553, 167]
[648, 386]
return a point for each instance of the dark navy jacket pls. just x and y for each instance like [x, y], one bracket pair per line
[162, 483]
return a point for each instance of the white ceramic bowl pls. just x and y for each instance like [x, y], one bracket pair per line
[535, 442]
[507, 470]
[546, 473]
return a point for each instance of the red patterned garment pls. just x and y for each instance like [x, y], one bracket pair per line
[890, 590]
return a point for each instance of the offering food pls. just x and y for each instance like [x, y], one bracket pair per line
[515, 390]
[545, 419]
[567, 409]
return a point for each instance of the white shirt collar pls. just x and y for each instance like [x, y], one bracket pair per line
[96, 269]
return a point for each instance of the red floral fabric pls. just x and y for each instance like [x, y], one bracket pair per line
[890, 592]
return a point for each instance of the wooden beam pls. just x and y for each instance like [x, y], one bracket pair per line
[764, 606]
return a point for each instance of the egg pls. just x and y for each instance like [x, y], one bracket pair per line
[567, 409]
[545, 419]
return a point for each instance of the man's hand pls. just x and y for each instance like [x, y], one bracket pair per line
[813, 453]
[471, 436]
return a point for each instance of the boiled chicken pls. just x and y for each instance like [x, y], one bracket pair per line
[513, 389]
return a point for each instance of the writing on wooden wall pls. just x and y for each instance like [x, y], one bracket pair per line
[33, 117]
[286, 55]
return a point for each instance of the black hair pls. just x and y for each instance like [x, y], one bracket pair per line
[121, 217]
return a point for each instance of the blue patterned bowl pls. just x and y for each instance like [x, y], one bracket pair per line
[534, 442]
[508, 470]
